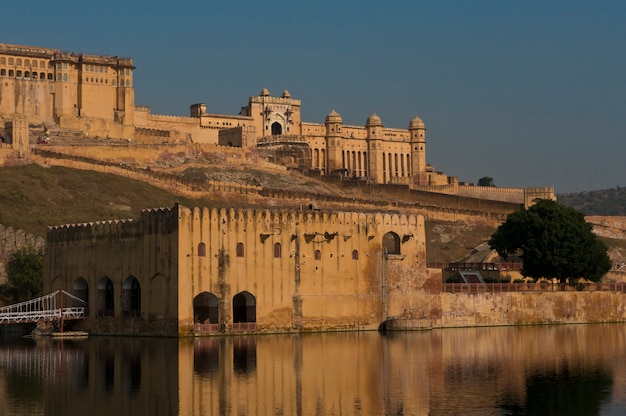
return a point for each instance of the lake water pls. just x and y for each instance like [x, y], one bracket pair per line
[539, 370]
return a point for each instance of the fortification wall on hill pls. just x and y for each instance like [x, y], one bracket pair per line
[197, 188]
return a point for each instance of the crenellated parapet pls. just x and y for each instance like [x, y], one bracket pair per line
[151, 221]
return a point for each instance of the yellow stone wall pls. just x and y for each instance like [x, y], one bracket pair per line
[330, 272]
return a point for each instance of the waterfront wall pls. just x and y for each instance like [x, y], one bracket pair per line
[563, 307]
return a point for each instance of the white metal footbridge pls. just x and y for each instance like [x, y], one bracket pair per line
[45, 308]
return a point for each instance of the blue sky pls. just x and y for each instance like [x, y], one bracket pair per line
[530, 93]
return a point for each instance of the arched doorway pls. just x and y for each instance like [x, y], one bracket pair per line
[277, 128]
[131, 297]
[244, 307]
[391, 243]
[205, 308]
[80, 289]
[105, 301]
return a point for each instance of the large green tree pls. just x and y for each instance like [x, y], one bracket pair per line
[553, 241]
[24, 274]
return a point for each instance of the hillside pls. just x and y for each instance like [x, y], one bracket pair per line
[601, 202]
[33, 197]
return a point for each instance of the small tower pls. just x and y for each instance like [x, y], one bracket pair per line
[374, 127]
[333, 124]
[417, 130]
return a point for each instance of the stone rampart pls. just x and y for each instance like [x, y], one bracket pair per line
[151, 221]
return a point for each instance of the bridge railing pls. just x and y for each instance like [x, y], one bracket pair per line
[47, 307]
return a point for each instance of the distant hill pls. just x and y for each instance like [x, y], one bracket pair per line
[602, 202]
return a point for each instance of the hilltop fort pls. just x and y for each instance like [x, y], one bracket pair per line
[48, 94]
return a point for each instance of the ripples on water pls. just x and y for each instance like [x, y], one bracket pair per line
[548, 370]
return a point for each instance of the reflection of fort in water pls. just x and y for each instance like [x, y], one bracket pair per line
[343, 373]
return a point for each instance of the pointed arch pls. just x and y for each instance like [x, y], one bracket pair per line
[131, 297]
[206, 308]
[106, 297]
[80, 289]
[391, 243]
[244, 307]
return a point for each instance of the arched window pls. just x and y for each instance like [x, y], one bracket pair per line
[3, 72]
[277, 252]
[239, 249]
[35, 64]
[10, 61]
[18, 62]
[3, 61]
[26, 74]
[18, 74]
[131, 297]
[201, 250]
[355, 254]
[205, 308]
[50, 77]
[66, 77]
[244, 307]
[80, 288]
[11, 73]
[277, 129]
[391, 243]
[105, 301]
[317, 255]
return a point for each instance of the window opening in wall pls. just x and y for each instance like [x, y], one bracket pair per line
[318, 255]
[131, 297]
[355, 255]
[244, 307]
[276, 128]
[201, 250]
[240, 250]
[205, 308]
[80, 288]
[277, 250]
[105, 301]
[391, 243]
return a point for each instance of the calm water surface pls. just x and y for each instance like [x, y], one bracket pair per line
[548, 370]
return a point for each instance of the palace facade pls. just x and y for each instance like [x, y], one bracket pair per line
[181, 271]
[94, 94]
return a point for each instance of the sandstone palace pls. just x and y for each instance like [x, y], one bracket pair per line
[202, 270]
[94, 95]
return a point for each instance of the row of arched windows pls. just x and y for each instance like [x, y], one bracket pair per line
[396, 165]
[27, 63]
[26, 74]
[206, 308]
[130, 296]
[355, 162]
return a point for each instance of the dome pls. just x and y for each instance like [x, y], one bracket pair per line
[333, 117]
[374, 120]
[286, 94]
[416, 123]
[265, 93]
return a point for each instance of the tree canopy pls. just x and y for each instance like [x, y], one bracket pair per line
[24, 274]
[486, 181]
[553, 241]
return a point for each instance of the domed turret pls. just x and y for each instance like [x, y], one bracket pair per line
[373, 120]
[333, 117]
[416, 123]
[286, 94]
[265, 93]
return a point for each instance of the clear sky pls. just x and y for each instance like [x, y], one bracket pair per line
[530, 93]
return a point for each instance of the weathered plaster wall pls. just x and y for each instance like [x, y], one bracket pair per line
[486, 309]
